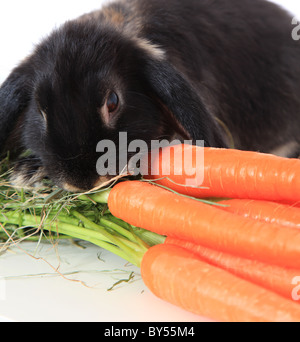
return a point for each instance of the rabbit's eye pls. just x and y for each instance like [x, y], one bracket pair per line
[109, 110]
[112, 102]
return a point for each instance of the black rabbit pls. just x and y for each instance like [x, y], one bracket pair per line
[157, 70]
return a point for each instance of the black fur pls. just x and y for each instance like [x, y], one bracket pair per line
[229, 61]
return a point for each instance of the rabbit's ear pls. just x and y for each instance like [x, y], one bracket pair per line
[14, 97]
[183, 102]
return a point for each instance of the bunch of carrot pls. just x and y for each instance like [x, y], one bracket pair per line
[232, 261]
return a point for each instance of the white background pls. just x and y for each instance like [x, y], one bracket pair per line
[24, 23]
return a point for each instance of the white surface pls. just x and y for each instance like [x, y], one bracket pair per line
[34, 291]
[51, 297]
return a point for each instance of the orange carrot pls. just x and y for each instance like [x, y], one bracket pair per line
[274, 278]
[270, 212]
[290, 204]
[165, 213]
[177, 276]
[228, 174]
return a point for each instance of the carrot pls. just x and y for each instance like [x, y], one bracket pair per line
[177, 276]
[165, 213]
[270, 212]
[227, 174]
[274, 278]
[290, 204]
